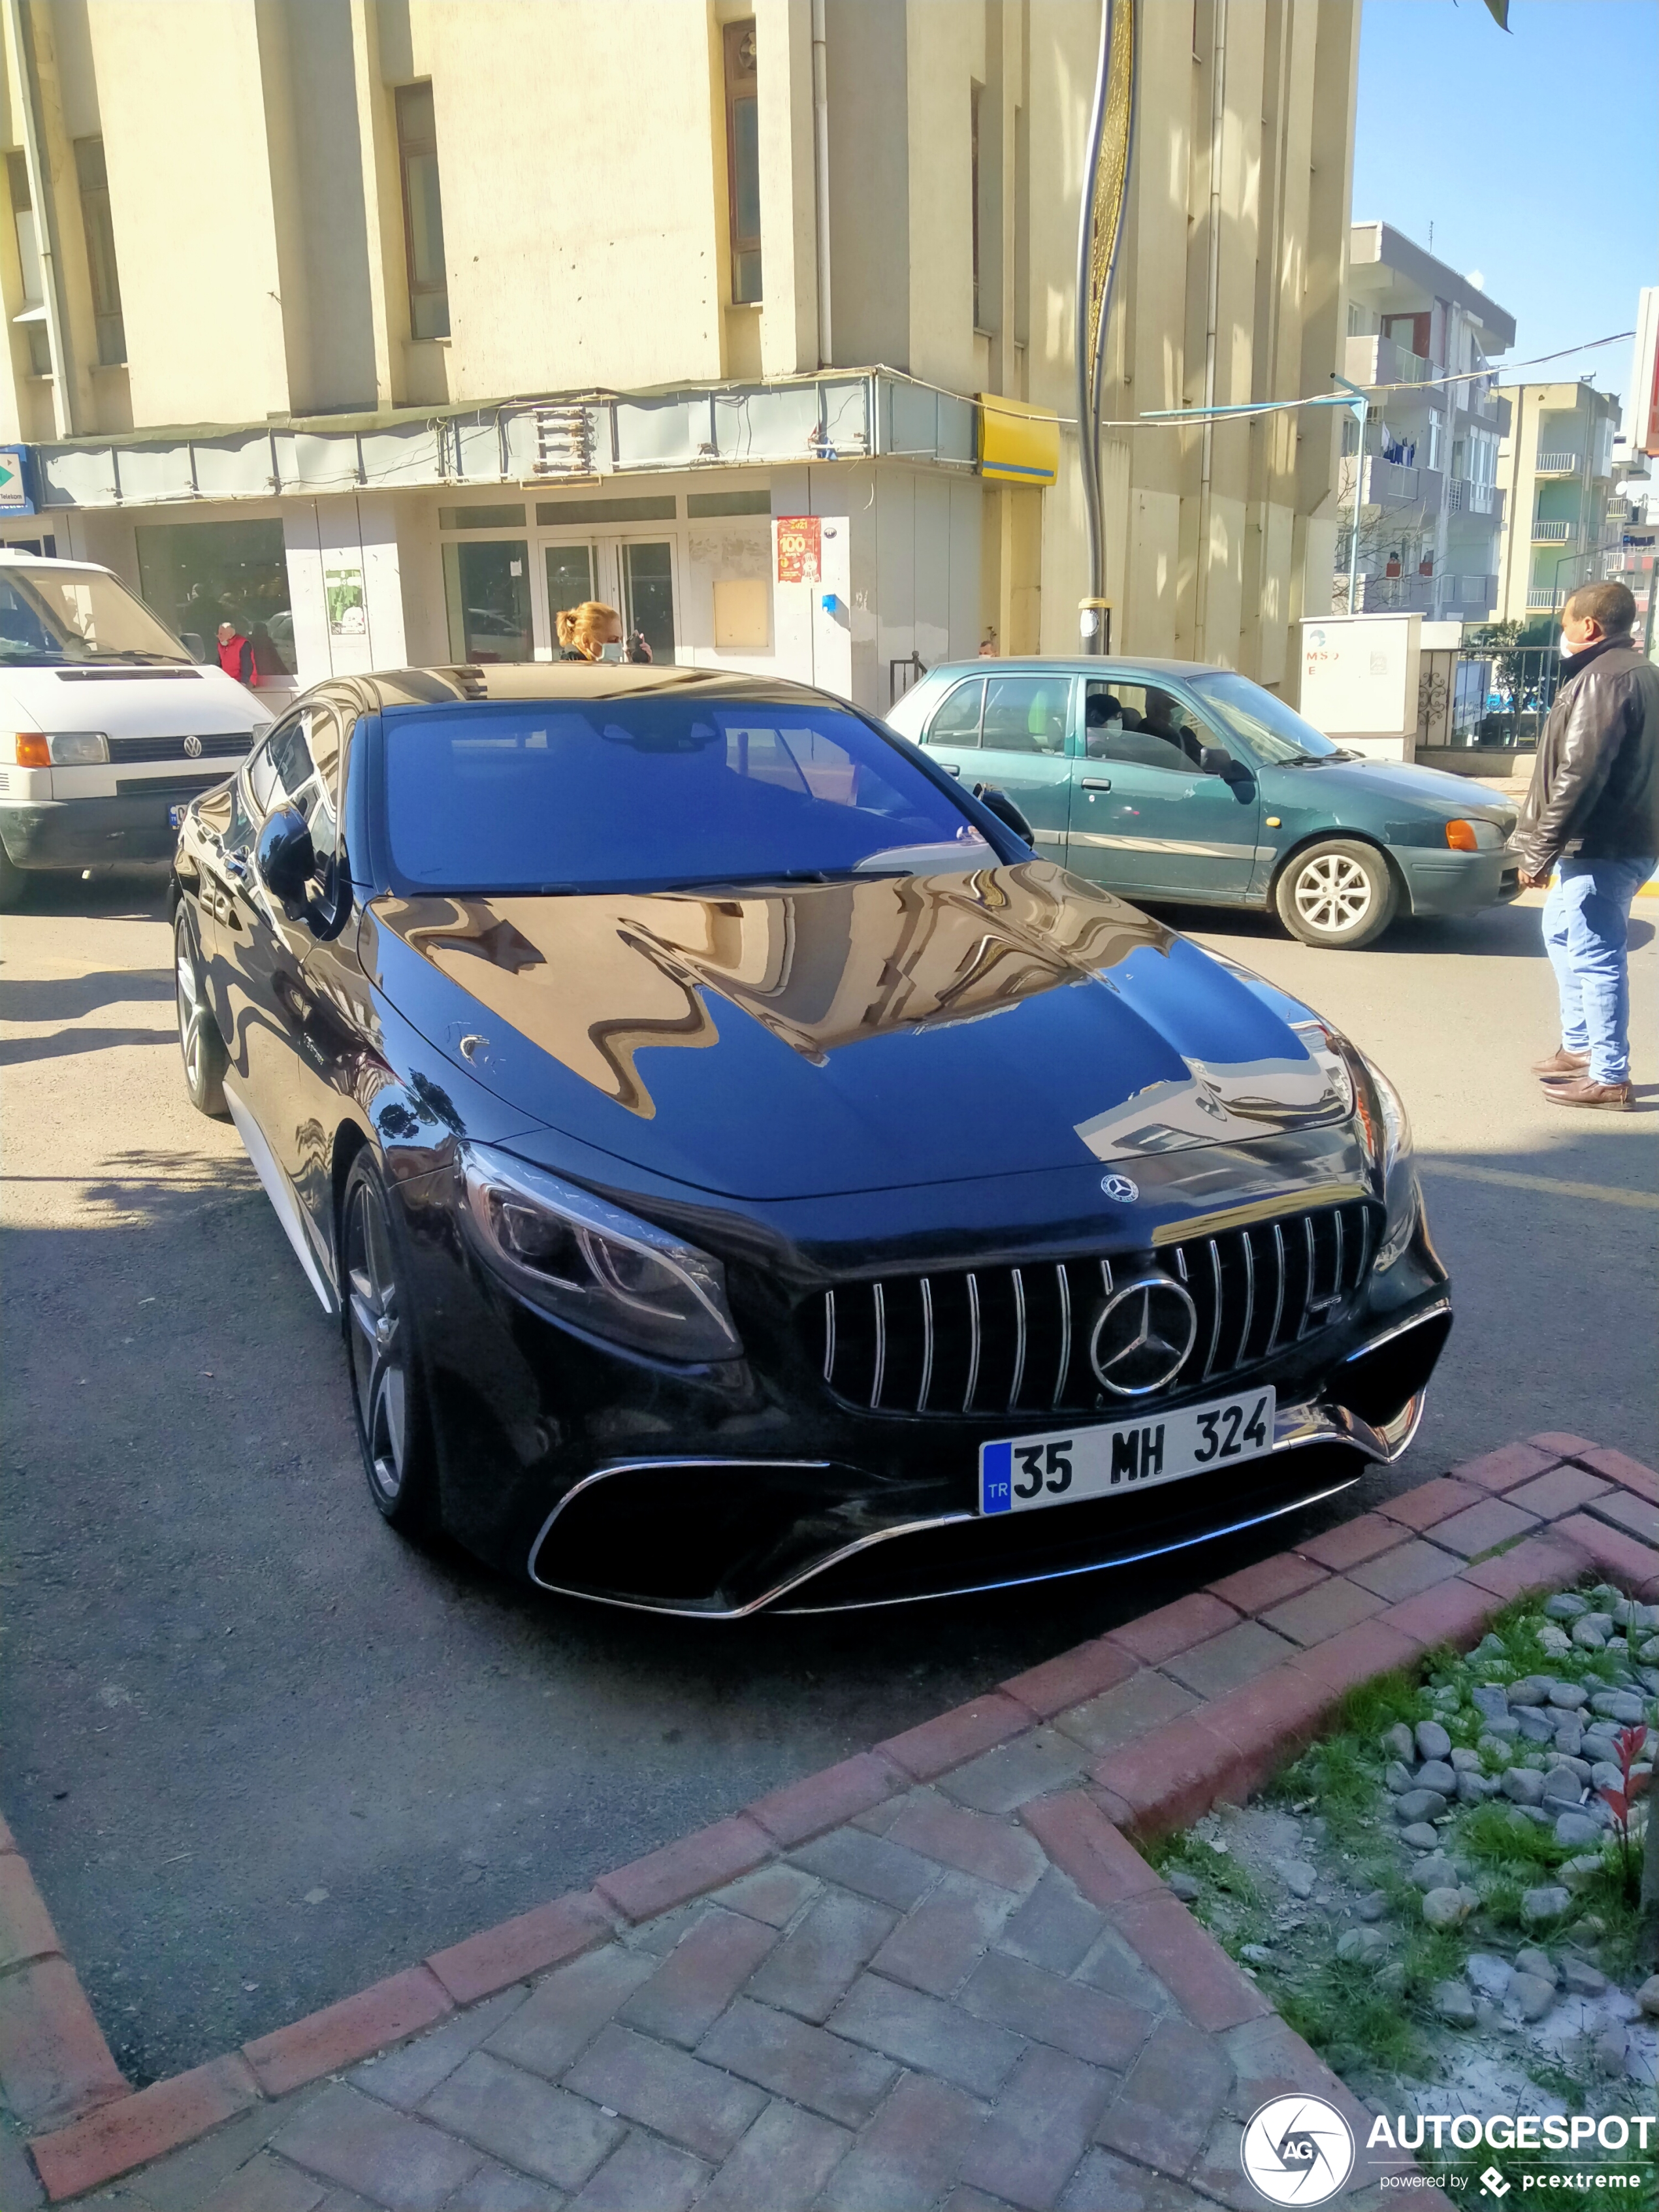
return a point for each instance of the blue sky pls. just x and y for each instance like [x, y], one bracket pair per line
[1535, 156]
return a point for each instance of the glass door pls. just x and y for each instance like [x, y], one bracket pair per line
[635, 575]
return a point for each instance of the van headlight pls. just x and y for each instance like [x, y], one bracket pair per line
[78, 749]
[588, 1262]
[1402, 1200]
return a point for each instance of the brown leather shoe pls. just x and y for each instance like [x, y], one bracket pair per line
[1562, 1062]
[1579, 1090]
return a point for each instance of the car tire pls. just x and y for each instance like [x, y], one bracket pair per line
[200, 1045]
[14, 882]
[388, 1394]
[1338, 893]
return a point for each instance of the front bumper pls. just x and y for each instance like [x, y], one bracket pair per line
[721, 1493]
[85, 833]
[1458, 883]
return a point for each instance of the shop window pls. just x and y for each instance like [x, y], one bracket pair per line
[653, 506]
[743, 162]
[703, 505]
[94, 180]
[486, 592]
[34, 317]
[423, 213]
[198, 574]
[647, 610]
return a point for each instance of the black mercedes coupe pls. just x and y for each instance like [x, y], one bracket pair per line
[746, 1176]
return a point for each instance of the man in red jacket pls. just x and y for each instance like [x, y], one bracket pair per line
[235, 653]
[1592, 817]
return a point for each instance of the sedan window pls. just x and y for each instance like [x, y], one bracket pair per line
[1026, 714]
[1274, 733]
[664, 791]
[957, 722]
[1142, 724]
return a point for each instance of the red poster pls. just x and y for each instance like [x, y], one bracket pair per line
[800, 549]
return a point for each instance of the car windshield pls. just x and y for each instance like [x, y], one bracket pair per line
[660, 793]
[1274, 733]
[51, 616]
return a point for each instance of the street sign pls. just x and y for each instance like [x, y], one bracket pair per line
[14, 481]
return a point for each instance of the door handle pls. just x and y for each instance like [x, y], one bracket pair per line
[1096, 783]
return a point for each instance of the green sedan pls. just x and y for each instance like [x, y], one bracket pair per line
[1167, 779]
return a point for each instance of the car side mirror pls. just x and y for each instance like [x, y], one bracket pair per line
[1216, 760]
[1004, 808]
[287, 861]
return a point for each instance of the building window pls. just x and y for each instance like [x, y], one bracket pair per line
[94, 180]
[198, 574]
[486, 593]
[743, 162]
[424, 213]
[34, 317]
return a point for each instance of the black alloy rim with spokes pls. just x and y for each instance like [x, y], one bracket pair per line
[377, 1338]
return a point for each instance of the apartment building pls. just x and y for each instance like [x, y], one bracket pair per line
[1556, 469]
[1423, 496]
[389, 327]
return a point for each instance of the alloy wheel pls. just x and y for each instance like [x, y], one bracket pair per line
[190, 1018]
[378, 1342]
[1334, 893]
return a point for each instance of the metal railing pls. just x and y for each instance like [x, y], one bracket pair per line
[1546, 600]
[903, 674]
[1553, 533]
[1503, 693]
[1556, 465]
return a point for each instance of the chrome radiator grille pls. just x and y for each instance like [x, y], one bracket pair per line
[1016, 1339]
[228, 745]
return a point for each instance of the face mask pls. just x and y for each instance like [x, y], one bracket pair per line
[612, 651]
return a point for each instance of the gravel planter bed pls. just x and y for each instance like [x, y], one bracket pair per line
[1435, 1895]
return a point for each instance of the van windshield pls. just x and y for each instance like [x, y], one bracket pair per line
[51, 616]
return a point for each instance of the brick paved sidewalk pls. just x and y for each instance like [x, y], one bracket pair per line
[936, 1976]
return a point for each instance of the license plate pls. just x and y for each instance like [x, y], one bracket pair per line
[1021, 1473]
[176, 817]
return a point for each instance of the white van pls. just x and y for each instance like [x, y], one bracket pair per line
[107, 727]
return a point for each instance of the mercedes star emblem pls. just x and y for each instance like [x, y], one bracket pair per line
[1142, 1336]
[193, 747]
[1123, 1189]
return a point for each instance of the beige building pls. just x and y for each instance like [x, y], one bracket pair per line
[389, 327]
[1555, 469]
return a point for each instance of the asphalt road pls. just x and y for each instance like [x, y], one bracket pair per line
[260, 1753]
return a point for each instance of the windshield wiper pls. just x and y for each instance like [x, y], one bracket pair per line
[140, 657]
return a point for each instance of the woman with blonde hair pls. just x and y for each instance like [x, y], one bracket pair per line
[584, 631]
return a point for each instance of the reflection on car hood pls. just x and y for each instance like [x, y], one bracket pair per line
[819, 1038]
[1401, 780]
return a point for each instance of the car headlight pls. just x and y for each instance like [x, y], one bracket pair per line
[78, 749]
[1402, 1200]
[589, 1263]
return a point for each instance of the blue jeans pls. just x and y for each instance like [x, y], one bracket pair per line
[1585, 918]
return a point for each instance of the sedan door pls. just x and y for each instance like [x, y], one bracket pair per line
[1011, 733]
[1145, 819]
[260, 988]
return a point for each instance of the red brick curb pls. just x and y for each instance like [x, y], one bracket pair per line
[1211, 1694]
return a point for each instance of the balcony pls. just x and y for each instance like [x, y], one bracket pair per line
[1553, 533]
[1556, 464]
[1448, 596]
[1390, 484]
[1544, 602]
[1465, 497]
[1375, 361]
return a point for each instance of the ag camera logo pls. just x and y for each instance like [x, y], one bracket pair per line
[1296, 2150]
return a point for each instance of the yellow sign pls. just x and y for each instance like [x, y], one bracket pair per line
[1017, 444]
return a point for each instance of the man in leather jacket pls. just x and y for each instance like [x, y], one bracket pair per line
[1592, 815]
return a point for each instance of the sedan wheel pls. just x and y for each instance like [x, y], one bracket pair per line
[200, 1045]
[393, 1430]
[1338, 893]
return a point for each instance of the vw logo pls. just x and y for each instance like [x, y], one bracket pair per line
[1142, 1336]
[1122, 1188]
[193, 747]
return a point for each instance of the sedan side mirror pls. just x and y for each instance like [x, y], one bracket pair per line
[1216, 760]
[286, 860]
[1004, 808]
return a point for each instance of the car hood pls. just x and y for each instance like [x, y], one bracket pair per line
[1393, 781]
[805, 1041]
